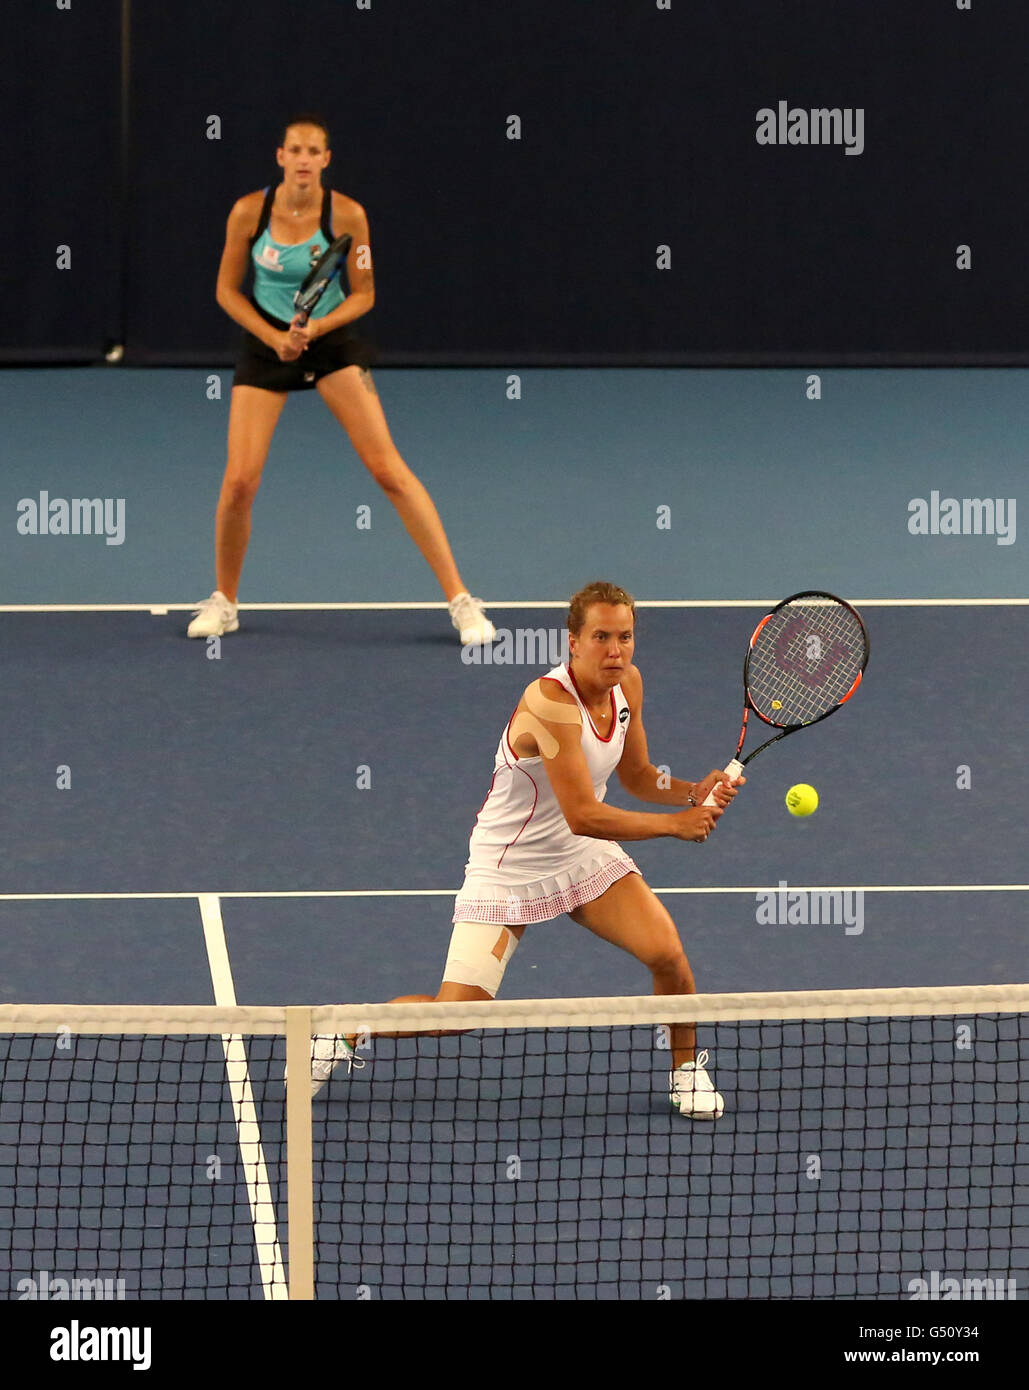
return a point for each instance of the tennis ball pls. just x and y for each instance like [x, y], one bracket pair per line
[802, 800]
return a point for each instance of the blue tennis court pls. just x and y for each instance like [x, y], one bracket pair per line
[285, 821]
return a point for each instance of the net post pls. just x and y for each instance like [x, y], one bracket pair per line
[299, 1153]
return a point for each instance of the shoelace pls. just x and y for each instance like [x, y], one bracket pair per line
[348, 1055]
[206, 603]
[698, 1066]
[466, 606]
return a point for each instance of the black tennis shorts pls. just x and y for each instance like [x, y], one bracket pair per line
[258, 365]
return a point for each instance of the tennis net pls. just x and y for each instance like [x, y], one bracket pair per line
[873, 1145]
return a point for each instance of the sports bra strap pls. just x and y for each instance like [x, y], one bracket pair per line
[266, 212]
[327, 216]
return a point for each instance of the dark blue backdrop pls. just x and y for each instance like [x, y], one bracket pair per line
[638, 131]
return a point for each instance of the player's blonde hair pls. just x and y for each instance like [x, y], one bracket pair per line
[600, 591]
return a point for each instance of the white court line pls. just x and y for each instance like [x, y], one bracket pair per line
[162, 609]
[255, 1170]
[452, 892]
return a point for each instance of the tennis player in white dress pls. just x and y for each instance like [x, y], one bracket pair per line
[544, 842]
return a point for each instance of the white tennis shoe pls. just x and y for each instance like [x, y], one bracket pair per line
[214, 617]
[692, 1092]
[327, 1051]
[469, 617]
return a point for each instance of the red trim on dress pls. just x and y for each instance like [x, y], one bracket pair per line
[489, 793]
[528, 818]
[507, 732]
[614, 712]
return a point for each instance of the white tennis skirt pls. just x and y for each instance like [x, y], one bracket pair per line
[491, 896]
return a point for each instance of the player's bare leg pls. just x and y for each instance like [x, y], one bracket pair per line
[253, 415]
[329, 1050]
[450, 992]
[351, 396]
[630, 915]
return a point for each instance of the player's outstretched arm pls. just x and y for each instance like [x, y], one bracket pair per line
[547, 723]
[642, 779]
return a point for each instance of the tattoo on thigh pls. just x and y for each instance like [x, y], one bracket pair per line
[367, 382]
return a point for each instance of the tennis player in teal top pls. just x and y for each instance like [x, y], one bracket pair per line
[280, 232]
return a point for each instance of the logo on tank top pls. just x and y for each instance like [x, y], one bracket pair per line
[314, 257]
[623, 714]
[269, 257]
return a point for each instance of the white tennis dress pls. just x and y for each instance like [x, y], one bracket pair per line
[524, 864]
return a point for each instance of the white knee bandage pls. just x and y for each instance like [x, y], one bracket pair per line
[478, 955]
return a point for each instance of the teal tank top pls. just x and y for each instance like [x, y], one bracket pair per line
[279, 270]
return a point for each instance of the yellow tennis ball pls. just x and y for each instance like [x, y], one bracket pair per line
[802, 800]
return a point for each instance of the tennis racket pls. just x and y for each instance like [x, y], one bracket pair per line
[320, 277]
[806, 659]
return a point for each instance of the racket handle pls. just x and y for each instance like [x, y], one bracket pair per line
[732, 772]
